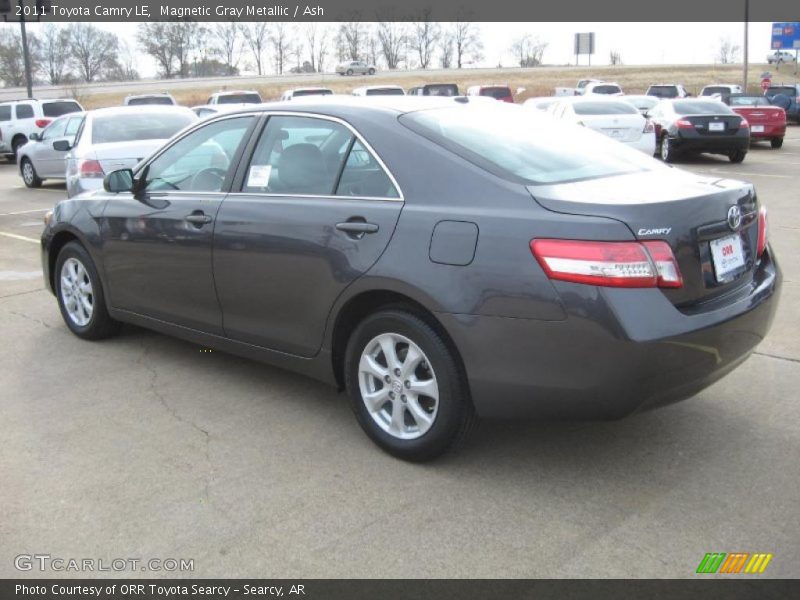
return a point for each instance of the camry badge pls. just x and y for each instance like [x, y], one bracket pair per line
[734, 217]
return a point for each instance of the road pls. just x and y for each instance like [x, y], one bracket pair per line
[145, 446]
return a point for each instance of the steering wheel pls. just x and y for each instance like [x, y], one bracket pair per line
[208, 180]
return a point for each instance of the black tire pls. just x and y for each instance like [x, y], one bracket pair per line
[776, 142]
[454, 416]
[666, 150]
[100, 325]
[372, 71]
[29, 176]
[737, 156]
[349, 71]
[15, 145]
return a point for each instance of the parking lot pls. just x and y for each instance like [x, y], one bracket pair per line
[145, 446]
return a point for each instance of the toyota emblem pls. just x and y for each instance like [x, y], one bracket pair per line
[734, 217]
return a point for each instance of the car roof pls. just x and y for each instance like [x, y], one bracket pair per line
[139, 108]
[229, 92]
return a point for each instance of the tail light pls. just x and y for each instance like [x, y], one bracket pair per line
[90, 169]
[762, 232]
[744, 124]
[684, 124]
[648, 126]
[612, 264]
[42, 123]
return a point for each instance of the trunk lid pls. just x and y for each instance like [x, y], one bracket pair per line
[761, 115]
[714, 125]
[687, 211]
[124, 155]
[625, 128]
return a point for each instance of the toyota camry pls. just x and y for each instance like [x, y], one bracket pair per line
[438, 259]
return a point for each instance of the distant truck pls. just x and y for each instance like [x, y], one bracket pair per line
[578, 90]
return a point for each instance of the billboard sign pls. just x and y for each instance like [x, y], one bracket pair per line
[584, 43]
[786, 36]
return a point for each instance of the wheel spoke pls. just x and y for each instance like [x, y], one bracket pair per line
[387, 344]
[376, 400]
[419, 414]
[426, 387]
[398, 424]
[413, 358]
[369, 365]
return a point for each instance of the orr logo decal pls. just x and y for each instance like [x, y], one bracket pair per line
[734, 563]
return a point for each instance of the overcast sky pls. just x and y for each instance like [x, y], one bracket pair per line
[639, 43]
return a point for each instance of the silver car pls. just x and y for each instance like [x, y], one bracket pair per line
[39, 160]
[118, 138]
[355, 67]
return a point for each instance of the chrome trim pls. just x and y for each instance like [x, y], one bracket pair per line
[313, 196]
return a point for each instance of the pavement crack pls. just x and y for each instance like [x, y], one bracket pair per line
[30, 318]
[778, 357]
[14, 295]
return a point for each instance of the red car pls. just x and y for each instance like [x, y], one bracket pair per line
[767, 122]
[498, 92]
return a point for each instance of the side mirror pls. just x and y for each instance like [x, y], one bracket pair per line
[62, 145]
[34, 137]
[119, 181]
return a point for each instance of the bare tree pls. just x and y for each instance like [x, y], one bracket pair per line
[467, 41]
[228, 43]
[153, 39]
[12, 63]
[280, 38]
[615, 57]
[256, 35]
[93, 50]
[424, 35]
[728, 51]
[373, 48]
[529, 50]
[127, 62]
[353, 36]
[446, 49]
[392, 38]
[54, 52]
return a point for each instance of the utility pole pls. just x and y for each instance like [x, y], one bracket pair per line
[746, 28]
[25, 54]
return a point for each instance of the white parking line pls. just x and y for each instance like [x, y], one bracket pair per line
[22, 238]
[24, 212]
[22, 187]
[735, 174]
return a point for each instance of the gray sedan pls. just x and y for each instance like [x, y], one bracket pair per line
[116, 138]
[39, 160]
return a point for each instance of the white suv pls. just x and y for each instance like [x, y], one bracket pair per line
[235, 97]
[20, 118]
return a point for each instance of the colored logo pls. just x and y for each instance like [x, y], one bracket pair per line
[734, 562]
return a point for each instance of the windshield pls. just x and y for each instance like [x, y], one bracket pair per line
[239, 99]
[606, 89]
[5, 112]
[134, 127]
[386, 92]
[524, 146]
[780, 89]
[56, 109]
[150, 100]
[440, 89]
[662, 91]
[695, 107]
[604, 108]
[496, 92]
[298, 93]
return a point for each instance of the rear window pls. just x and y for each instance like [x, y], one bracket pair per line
[526, 147]
[134, 127]
[663, 91]
[607, 89]
[496, 92]
[298, 93]
[56, 109]
[440, 89]
[774, 90]
[604, 108]
[386, 92]
[150, 100]
[709, 91]
[699, 107]
[5, 112]
[239, 99]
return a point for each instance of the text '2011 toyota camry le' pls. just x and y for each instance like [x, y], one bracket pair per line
[440, 259]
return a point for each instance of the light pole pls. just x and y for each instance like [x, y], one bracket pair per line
[746, 27]
[25, 54]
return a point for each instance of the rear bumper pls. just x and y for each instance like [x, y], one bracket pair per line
[770, 131]
[711, 144]
[635, 352]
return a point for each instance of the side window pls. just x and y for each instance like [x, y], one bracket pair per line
[24, 111]
[363, 176]
[200, 161]
[55, 129]
[73, 125]
[298, 156]
[5, 112]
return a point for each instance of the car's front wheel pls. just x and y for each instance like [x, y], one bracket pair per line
[349, 71]
[372, 71]
[406, 387]
[80, 294]
[776, 142]
[29, 176]
[667, 151]
[737, 156]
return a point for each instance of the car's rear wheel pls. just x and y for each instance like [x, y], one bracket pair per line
[80, 294]
[372, 71]
[16, 143]
[349, 71]
[29, 176]
[737, 156]
[406, 387]
[666, 150]
[776, 142]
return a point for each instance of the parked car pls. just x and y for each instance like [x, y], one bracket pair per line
[498, 92]
[434, 89]
[642, 103]
[602, 88]
[235, 97]
[542, 103]
[667, 90]
[355, 67]
[721, 91]
[20, 118]
[612, 117]
[39, 159]
[116, 138]
[379, 90]
[767, 122]
[309, 91]
[781, 56]
[787, 96]
[690, 125]
[435, 279]
[580, 87]
[143, 99]
[206, 110]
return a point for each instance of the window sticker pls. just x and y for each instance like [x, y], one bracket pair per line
[259, 176]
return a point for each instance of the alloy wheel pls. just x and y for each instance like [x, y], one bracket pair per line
[76, 292]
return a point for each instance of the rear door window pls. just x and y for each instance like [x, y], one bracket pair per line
[62, 107]
[24, 111]
[5, 112]
[363, 176]
[73, 125]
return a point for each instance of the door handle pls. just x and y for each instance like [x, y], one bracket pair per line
[357, 227]
[198, 218]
